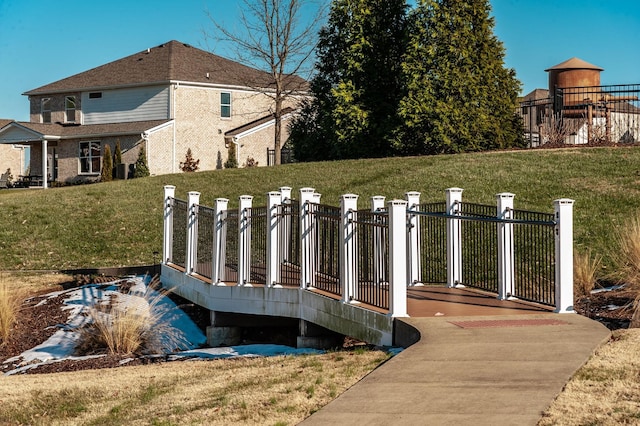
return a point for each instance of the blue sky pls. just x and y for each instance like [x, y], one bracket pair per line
[42, 41]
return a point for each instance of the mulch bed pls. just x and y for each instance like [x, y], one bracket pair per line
[37, 322]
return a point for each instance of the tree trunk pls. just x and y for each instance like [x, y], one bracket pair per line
[277, 146]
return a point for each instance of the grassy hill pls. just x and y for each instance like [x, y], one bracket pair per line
[120, 223]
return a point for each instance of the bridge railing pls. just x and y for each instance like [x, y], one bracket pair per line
[371, 256]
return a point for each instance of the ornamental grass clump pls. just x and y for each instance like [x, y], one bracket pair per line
[585, 272]
[129, 324]
[9, 306]
[628, 256]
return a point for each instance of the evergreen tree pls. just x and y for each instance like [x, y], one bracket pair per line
[106, 174]
[190, 164]
[232, 160]
[357, 86]
[118, 153]
[460, 97]
[141, 167]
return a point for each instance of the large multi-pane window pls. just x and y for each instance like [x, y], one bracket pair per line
[45, 109]
[225, 105]
[70, 108]
[89, 157]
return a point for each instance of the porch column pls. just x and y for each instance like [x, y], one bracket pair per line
[191, 257]
[45, 170]
[397, 258]
[167, 238]
[413, 240]
[273, 225]
[306, 238]
[454, 240]
[505, 246]
[244, 240]
[377, 204]
[219, 242]
[564, 255]
[348, 248]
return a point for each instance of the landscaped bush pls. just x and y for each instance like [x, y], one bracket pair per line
[128, 325]
[106, 174]
[141, 166]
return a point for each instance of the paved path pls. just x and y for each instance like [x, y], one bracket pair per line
[497, 370]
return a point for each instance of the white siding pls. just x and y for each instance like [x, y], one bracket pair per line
[126, 105]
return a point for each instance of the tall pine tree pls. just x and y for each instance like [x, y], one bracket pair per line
[460, 97]
[357, 86]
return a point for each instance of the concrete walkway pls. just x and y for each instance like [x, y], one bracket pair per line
[495, 370]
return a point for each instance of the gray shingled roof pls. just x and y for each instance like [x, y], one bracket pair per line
[172, 61]
[92, 130]
[255, 123]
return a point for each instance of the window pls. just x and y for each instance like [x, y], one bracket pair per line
[45, 108]
[89, 156]
[70, 108]
[95, 95]
[225, 105]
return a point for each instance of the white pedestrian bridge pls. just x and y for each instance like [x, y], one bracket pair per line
[352, 271]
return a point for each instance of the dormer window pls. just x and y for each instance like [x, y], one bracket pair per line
[70, 109]
[225, 105]
[45, 109]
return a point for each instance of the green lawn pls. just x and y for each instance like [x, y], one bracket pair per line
[120, 223]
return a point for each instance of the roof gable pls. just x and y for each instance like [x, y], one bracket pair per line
[172, 61]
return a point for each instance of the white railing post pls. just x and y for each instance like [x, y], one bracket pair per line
[397, 258]
[348, 249]
[454, 240]
[244, 240]
[306, 238]
[413, 239]
[505, 246]
[219, 241]
[273, 225]
[286, 228]
[377, 204]
[564, 255]
[191, 256]
[167, 239]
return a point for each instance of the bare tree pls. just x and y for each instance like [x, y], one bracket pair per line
[278, 37]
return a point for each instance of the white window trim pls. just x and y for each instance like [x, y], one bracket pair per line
[229, 104]
[42, 110]
[92, 173]
[66, 110]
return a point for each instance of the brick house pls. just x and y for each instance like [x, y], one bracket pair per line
[12, 157]
[168, 98]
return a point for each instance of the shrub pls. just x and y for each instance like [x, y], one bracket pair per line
[9, 306]
[189, 164]
[232, 161]
[585, 272]
[128, 325]
[141, 167]
[117, 156]
[251, 162]
[106, 174]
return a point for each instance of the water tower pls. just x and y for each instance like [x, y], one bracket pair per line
[584, 80]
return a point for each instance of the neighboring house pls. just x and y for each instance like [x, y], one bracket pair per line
[167, 98]
[13, 157]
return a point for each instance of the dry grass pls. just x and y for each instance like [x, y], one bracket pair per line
[628, 244]
[279, 390]
[585, 272]
[606, 390]
[10, 300]
[129, 324]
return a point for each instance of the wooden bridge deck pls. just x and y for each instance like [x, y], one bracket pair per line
[430, 301]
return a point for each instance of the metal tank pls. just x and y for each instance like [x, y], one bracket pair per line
[584, 80]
